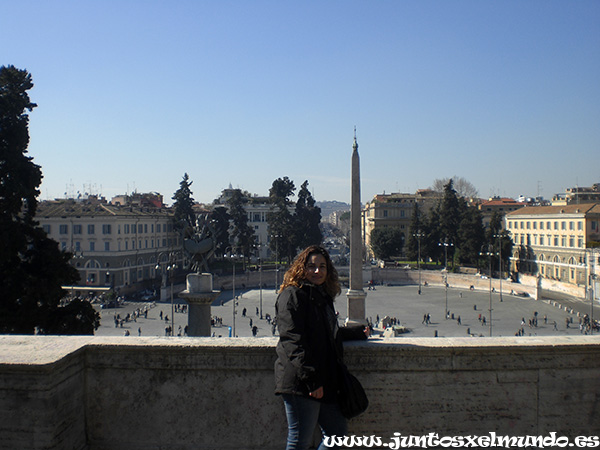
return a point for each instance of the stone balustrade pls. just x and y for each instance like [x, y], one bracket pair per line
[151, 393]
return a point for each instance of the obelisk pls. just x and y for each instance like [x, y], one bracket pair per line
[356, 294]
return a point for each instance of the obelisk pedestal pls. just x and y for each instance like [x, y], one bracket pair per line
[356, 294]
[199, 294]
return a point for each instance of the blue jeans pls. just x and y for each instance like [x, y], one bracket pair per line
[304, 413]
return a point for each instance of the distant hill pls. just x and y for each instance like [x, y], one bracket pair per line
[327, 207]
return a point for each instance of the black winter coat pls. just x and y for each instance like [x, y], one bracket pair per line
[308, 332]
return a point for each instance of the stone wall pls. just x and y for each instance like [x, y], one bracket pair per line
[151, 393]
[401, 276]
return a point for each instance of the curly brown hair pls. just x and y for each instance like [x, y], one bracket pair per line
[296, 274]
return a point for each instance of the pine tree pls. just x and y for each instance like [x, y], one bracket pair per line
[307, 218]
[32, 268]
[184, 214]
[241, 232]
[279, 218]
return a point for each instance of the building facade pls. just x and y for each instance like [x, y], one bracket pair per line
[121, 247]
[395, 210]
[497, 205]
[556, 242]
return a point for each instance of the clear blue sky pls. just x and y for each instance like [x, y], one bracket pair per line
[133, 94]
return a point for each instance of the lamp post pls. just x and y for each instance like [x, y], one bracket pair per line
[419, 235]
[170, 272]
[258, 246]
[591, 280]
[489, 254]
[276, 237]
[499, 236]
[233, 256]
[446, 244]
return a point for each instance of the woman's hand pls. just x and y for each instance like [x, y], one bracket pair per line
[367, 331]
[317, 393]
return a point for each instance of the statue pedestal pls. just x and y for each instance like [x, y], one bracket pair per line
[199, 294]
[356, 307]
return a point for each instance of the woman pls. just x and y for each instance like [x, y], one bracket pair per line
[309, 344]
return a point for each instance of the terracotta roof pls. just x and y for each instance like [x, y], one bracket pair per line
[585, 208]
[71, 208]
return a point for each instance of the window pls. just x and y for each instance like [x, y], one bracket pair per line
[548, 225]
[529, 225]
[556, 225]
[385, 213]
[91, 229]
[63, 246]
[535, 225]
[571, 241]
[107, 246]
[158, 228]
[126, 245]
[46, 228]
[77, 246]
[580, 226]
[106, 229]
[126, 228]
[563, 225]
[541, 225]
[556, 241]
[580, 242]
[92, 246]
[77, 229]
[146, 228]
[541, 240]
[140, 228]
[571, 226]
[563, 241]
[63, 229]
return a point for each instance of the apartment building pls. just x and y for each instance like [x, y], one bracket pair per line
[395, 210]
[497, 205]
[555, 242]
[118, 246]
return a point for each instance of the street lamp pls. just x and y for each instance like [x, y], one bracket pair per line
[233, 256]
[499, 236]
[446, 244]
[489, 253]
[419, 235]
[170, 272]
[276, 237]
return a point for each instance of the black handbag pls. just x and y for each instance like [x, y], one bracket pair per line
[352, 398]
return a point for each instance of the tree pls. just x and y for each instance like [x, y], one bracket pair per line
[497, 235]
[307, 219]
[220, 219]
[464, 188]
[451, 210]
[279, 218]
[430, 245]
[387, 242]
[471, 237]
[241, 233]
[184, 214]
[32, 268]
[412, 246]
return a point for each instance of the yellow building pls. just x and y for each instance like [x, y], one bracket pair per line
[555, 241]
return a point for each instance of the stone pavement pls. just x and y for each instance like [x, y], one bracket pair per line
[400, 302]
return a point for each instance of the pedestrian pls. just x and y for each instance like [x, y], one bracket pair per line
[310, 338]
[139, 331]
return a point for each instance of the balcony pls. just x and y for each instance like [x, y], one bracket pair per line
[92, 393]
